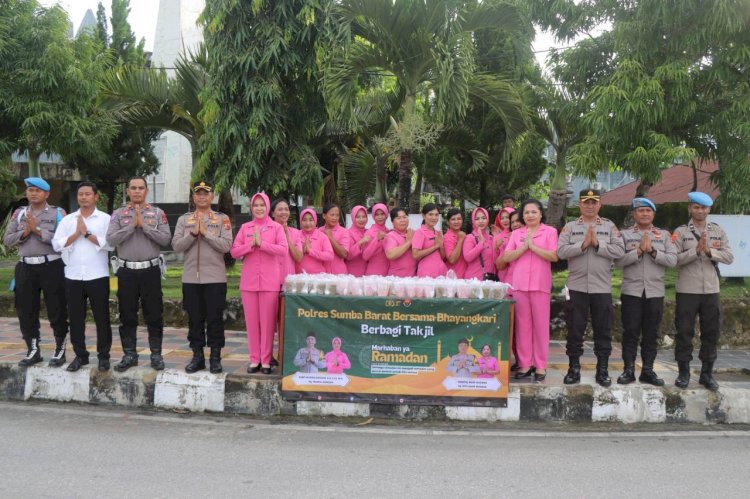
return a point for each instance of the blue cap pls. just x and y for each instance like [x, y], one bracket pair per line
[37, 182]
[700, 198]
[643, 203]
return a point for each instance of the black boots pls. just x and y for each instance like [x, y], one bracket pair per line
[648, 375]
[33, 354]
[157, 361]
[215, 360]
[707, 379]
[683, 378]
[628, 373]
[197, 363]
[602, 374]
[58, 359]
[574, 372]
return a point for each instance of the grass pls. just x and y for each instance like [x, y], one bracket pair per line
[172, 286]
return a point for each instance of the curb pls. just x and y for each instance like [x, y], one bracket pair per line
[173, 389]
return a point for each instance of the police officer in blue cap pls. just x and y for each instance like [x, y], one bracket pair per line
[701, 246]
[648, 252]
[39, 269]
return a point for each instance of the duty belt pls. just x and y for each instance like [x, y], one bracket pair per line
[37, 260]
[140, 265]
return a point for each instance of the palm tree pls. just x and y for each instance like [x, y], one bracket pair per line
[401, 49]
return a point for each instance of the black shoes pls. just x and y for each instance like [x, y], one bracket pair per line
[128, 360]
[683, 378]
[602, 374]
[707, 379]
[77, 363]
[197, 363]
[214, 362]
[266, 370]
[58, 359]
[252, 369]
[104, 364]
[33, 355]
[514, 367]
[274, 362]
[649, 376]
[525, 374]
[539, 377]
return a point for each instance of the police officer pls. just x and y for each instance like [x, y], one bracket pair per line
[137, 231]
[309, 359]
[701, 245]
[463, 363]
[590, 244]
[39, 269]
[204, 236]
[648, 252]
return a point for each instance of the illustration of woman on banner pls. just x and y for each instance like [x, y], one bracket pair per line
[488, 366]
[336, 360]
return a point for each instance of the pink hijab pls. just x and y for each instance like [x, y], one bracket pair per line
[314, 217]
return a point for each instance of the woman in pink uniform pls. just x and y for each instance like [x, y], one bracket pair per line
[356, 265]
[336, 360]
[377, 263]
[427, 244]
[262, 244]
[280, 213]
[397, 245]
[500, 240]
[453, 242]
[477, 249]
[316, 248]
[515, 224]
[532, 248]
[488, 366]
[338, 236]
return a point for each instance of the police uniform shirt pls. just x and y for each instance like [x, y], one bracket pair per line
[590, 270]
[302, 360]
[141, 243]
[204, 254]
[469, 366]
[696, 273]
[646, 272]
[37, 243]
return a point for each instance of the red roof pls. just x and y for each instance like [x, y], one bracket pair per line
[674, 186]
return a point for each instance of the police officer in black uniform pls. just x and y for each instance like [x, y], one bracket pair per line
[39, 269]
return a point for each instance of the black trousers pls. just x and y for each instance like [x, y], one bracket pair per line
[708, 307]
[97, 293]
[144, 287]
[205, 304]
[641, 317]
[31, 280]
[577, 309]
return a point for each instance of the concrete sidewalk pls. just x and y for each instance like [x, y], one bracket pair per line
[235, 391]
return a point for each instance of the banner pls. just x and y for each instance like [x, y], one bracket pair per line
[372, 349]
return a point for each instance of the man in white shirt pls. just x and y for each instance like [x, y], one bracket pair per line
[81, 237]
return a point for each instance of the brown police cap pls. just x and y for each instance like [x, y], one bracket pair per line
[594, 194]
[203, 185]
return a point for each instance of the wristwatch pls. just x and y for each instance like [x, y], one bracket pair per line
[87, 234]
[652, 253]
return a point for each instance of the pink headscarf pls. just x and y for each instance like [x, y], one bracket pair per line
[474, 217]
[354, 211]
[314, 217]
[507, 210]
[264, 197]
[379, 206]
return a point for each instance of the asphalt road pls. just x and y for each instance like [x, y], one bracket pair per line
[54, 450]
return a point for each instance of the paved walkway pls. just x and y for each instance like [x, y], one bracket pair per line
[732, 365]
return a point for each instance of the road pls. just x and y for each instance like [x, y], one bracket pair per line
[56, 450]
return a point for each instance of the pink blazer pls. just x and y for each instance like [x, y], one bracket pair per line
[505, 236]
[343, 362]
[471, 252]
[356, 265]
[432, 265]
[320, 252]
[377, 263]
[262, 266]
[531, 272]
[450, 240]
[337, 265]
[405, 265]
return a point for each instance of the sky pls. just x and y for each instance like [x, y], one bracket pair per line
[143, 21]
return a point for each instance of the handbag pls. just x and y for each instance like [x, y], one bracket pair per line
[487, 275]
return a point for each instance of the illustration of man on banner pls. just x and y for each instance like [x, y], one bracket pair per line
[309, 359]
[463, 364]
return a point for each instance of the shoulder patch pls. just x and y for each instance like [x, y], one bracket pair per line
[227, 225]
[674, 237]
[163, 217]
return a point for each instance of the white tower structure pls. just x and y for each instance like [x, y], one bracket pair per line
[177, 33]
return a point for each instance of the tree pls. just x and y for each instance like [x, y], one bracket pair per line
[130, 151]
[673, 86]
[417, 47]
[263, 107]
[48, 85]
